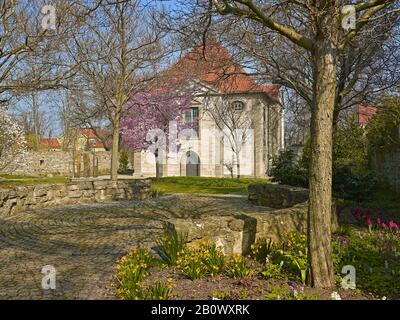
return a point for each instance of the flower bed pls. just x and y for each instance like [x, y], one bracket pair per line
[271, 271]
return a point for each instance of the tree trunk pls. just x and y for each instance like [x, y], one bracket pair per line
[158, 174]
[237, 167]
[320, 209]
[115, 144]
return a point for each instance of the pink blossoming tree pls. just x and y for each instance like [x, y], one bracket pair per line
[147, 119]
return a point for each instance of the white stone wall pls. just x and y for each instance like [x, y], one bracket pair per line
[264, 142]
[58, 163]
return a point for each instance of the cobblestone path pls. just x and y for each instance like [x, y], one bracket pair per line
[83, 242]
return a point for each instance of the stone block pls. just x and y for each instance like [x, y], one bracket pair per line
[40, 191]
[85, 185]
[75, 194]
[72, 187]
[217, 229]
[100, 185]
[275, 195]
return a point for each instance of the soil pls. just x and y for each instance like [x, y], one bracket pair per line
[248, 288]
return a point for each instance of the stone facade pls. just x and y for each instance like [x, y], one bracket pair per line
[59, 163]
[387, 165]
[209, 148]
[47, 195]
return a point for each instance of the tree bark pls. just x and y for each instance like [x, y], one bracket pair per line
[237, 166]
[158, 173]
[320, 208]
[115, 144]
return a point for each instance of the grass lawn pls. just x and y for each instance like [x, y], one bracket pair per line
[204, 185]
[14, 176]
[13, 181]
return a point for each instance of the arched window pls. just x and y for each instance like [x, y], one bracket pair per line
[238, 105]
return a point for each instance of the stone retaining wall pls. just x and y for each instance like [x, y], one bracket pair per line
[47, 195]
[276, 195]
[286, 211]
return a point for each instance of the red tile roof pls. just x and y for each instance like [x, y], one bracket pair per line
[365, 113]
[214, 66]
[51, 143]
[90, 135]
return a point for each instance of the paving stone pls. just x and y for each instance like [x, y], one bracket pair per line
[84, 241]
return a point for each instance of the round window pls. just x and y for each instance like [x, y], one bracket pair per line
[237, 105]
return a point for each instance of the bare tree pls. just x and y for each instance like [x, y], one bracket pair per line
[116, 51]
[315, 29]
[234, 120]
[31, 56]
[297, 117]
[366, 66]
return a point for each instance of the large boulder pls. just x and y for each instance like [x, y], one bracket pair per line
[285, 211]
[232, 234]
[276, 224]
[237, 232]
[276, 195]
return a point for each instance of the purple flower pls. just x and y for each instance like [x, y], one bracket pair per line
[393, 226]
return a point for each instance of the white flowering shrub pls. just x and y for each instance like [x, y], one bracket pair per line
[12, 143]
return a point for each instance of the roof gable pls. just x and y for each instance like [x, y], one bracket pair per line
[214, 66]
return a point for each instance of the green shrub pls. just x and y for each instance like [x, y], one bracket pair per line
[196, 263]
[375, 257]
[123, 161]
[170, 245]
[156, 191]
[191, 268]
[158, 291]
[383, 130]
[352, 179]
[281, 293]
[292, 256]
[273, 271]
[261, 249]
[237, 267]
[131, 270]
[221, 295]
[353, 186]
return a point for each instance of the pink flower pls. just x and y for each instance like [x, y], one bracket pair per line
[378, 221]
[369, 222]
[384, 226]
[393, 226]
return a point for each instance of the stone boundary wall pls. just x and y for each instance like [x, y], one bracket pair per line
[285, 211]
[386, 163]
[276, 195]
[23, 198]
[58, 162]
